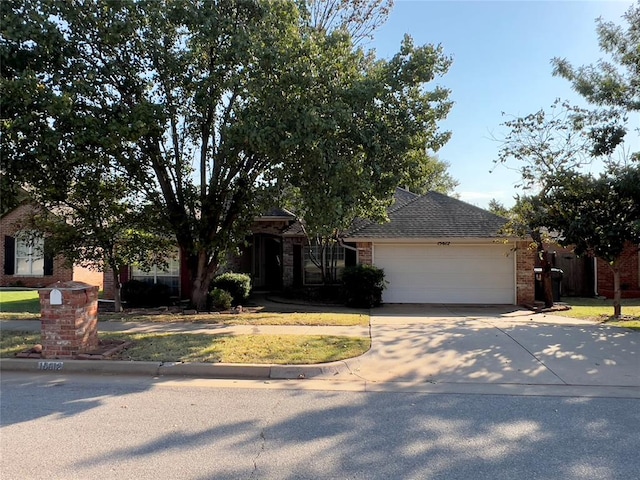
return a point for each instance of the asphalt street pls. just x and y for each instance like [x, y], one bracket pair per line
[121, 427]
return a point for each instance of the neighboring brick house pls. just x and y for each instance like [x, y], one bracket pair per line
[434, 249]
[23, 258]
[629, 274]
[587, 276]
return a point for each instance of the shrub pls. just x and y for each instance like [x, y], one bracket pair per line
[145, 294]
[237, 284]
[363, 286]
[220, 299]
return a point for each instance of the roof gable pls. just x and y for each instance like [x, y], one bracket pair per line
[433, 215]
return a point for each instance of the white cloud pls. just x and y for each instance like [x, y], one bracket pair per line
[469, 196]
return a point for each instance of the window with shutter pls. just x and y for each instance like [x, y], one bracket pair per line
[29, 256]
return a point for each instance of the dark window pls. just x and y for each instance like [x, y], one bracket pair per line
[9, 255]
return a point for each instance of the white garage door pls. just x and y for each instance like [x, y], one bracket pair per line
[481, 274]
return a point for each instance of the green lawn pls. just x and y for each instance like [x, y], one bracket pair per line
[263, 349]
[602, 311]
[19, 301]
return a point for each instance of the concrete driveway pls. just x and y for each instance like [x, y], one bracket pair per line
[495, 345]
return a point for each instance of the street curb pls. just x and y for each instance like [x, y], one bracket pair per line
[198, 370]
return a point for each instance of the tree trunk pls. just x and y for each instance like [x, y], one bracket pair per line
[204, 273]
[617, 293]
[199, 294]
[117, 289]
[547, 284]
[547, 281]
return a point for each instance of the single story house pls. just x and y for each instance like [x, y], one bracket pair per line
[434, 249]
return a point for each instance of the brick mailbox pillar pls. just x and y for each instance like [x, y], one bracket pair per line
[69, 319]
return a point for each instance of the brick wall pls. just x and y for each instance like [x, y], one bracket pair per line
[288, 274]
[87, 275]
[629, 273]
[365, 253]
[107, 281]
[525, 280]
[10, 225]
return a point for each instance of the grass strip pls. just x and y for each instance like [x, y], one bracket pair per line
[632, 324]
[600, 310]
[12, 343]
[262, 349]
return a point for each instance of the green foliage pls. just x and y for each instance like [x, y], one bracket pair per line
[616, 81]
[360, 18]
[237, 284]
[613, 82]
[596, 215]
[145, 294]
[544, 144]
[220, 299]
[366, 128]
[432, 176]
[497, 208]
[363, 286]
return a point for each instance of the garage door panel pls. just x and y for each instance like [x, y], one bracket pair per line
[447, 274]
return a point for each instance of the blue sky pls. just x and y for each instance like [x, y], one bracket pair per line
[501, 63]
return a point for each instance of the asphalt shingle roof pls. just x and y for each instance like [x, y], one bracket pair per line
[433, 215]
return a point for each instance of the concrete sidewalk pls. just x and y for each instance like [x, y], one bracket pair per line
[201, 328]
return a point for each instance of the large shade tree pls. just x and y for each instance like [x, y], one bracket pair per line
[542, 147]
[597, 216]
[365, 126]
[205, 107]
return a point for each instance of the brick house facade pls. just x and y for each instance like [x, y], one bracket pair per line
[629, 274]
[55, 269]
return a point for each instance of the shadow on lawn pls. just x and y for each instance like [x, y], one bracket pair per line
[20, 306]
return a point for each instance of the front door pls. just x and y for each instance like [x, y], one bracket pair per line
[267, 261]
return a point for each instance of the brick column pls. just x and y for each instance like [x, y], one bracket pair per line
[69, 319]
[365, 253]
[287, 262]
[525, 280]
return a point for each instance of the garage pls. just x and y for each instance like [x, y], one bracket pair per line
[443, 272]
[438, 249]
